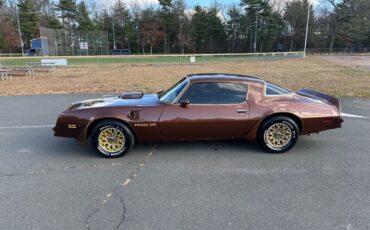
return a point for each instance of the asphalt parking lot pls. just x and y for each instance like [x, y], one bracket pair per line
[54, 183]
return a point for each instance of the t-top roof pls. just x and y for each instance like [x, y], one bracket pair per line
[223, 77]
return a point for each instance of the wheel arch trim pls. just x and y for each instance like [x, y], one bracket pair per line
[89, 127]
[252, 134]
[292, 116]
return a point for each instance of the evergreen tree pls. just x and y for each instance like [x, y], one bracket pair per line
[296, 17]
[83, 18]
[354, 28]
[174, 22]
[124, 30]
[199, 27]
[265, 24]
[216, 31]
[50, 21]
[236, 29]
[29, 19]
[169, 28]
[233, 27]
[68, 10]
[103, 21]
[208, 30]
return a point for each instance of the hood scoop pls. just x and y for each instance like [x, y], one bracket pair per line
[132, 95]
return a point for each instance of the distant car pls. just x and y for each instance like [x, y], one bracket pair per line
[201, 107]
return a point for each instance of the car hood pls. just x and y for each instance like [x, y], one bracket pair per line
[145, 100]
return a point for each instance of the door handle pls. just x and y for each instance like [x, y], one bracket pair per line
[241, 111]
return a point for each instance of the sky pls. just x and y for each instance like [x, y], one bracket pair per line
[189, 3]
[209, 2]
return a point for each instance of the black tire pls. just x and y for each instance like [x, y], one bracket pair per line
[121, 138]
[274, 134]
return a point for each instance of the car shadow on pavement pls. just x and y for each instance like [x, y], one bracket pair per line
[236, 148]
[226, 146]
[70, 147]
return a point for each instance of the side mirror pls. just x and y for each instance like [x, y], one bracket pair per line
[160, 92]
[184, 103]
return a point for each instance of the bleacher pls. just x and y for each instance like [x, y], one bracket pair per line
[121, 52]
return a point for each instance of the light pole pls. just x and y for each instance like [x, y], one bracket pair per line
[255, 32]
[19, 29]
[114, 34]
[305, 40]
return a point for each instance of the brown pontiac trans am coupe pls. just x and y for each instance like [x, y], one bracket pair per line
[201, 107]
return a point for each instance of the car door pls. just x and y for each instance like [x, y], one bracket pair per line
[215, 110]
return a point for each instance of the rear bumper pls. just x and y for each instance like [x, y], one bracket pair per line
[334, 123]
[316, 125]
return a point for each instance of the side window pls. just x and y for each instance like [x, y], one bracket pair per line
[216, 93]
[272, 90]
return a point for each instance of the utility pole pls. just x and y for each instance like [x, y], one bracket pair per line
[19, 29]
[114, 35]
[305, 40]
[255, 32]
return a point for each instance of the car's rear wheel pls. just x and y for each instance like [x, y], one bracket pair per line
[112, 138]
[278, 134]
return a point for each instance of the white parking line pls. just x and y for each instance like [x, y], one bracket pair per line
[27, 127]
[352, 115]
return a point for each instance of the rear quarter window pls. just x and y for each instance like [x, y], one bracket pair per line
[274, 90]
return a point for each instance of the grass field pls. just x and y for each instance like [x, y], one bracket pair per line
[312, 72]
[152, 59]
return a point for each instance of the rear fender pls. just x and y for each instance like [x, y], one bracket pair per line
[322, 97]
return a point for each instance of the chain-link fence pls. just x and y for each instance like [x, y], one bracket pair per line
[162, 59]
[75, 43]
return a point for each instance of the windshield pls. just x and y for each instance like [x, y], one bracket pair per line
[171, 94]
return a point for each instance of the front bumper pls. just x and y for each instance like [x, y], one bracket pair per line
[70, 126]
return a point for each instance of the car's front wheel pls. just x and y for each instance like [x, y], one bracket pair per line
[112, 138]
[278, 134]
